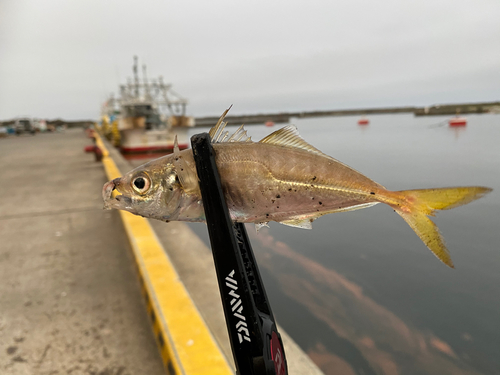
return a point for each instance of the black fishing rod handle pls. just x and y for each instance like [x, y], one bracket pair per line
[255, 342]
[242, 324]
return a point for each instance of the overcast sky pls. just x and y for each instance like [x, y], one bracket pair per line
[61, 58]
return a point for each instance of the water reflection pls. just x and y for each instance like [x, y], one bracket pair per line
[360, 292]
[359, 336]
[457, 131]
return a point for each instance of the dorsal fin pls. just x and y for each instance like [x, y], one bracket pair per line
[219, 127]
[289, 137]
[218, 135]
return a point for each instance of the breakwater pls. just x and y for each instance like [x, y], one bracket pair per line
[283, 117]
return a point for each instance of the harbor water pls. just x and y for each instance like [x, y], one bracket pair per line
[360, 293]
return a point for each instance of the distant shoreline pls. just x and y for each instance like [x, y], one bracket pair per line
[58, 122]
[284, 117]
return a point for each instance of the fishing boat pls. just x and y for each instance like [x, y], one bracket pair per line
[147, 116]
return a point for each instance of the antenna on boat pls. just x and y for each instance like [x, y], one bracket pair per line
[136, 77]
[147, 91]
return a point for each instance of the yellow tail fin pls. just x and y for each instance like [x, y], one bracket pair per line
[420, 203]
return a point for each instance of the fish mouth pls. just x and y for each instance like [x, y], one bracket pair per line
[119, 201]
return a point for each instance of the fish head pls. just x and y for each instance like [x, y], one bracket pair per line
[152, 190]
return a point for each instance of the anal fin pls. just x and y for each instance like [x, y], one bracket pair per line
[298, 223]
[305, 221]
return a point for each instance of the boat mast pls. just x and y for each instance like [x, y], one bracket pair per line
[147, 89]
[136, 78]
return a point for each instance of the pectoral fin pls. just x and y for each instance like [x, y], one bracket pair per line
[187, 177]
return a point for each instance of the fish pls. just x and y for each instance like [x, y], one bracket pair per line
[281, 178]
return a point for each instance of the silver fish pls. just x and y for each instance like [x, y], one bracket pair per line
[281, 178]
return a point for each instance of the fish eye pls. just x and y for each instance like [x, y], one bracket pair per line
[141, 184]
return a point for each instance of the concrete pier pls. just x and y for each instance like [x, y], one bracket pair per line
[70, 284]
[70, 302]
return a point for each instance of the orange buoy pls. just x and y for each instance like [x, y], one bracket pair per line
[363, 121]
[269, 123]
[457, 121]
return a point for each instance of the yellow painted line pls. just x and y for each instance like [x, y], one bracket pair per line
[186, 344]
[105, 152]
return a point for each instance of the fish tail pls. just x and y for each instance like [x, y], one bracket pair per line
[419, 204]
